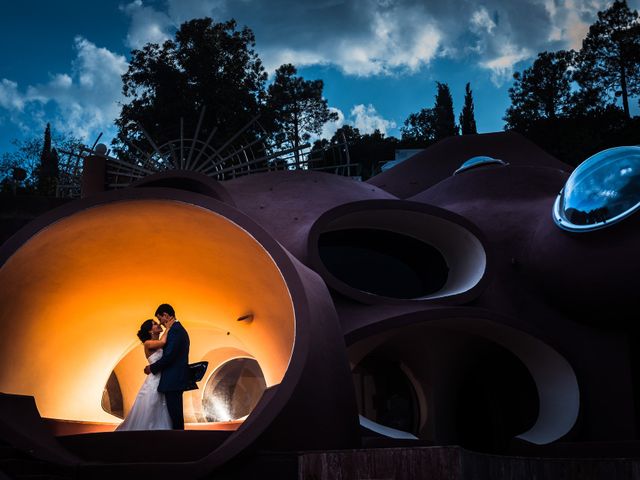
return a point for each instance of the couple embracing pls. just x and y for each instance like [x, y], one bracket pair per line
[158, 405]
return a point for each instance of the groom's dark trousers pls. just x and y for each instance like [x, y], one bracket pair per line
[174, 405]
[174, 368]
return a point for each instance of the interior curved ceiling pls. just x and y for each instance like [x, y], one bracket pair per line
[76, 293]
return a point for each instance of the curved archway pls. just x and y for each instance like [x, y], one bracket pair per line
[556, 385]
[78, 290]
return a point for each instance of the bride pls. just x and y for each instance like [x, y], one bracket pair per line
[149, 411]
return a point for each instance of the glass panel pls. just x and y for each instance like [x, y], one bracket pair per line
[604, 189]
[479, 161]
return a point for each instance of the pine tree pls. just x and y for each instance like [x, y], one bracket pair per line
[609, 61]
[297, 107]
[542, 91]
[467, 117]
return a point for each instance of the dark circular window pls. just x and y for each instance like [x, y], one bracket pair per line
[603, 190]
[233, 390]
[475, 162]
[383, 262]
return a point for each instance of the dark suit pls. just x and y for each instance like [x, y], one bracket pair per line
[173, 366]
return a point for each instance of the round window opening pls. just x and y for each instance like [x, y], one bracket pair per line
[603, 190]
[233, 390]
[383, 263]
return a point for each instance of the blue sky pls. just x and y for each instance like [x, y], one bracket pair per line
[380, 59]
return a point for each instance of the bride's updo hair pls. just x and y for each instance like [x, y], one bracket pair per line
[144, 332]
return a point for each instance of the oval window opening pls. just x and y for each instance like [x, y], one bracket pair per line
[233, 390]
[383, 262]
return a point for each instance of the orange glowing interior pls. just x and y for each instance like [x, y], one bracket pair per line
[74, 295]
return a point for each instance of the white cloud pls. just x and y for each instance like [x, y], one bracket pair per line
[329, 128]
[84, 101]
[367, 120]
[148, 25]
[480, 20]
[10, 98]
[502, 66]
[390, 44]
[384, 37]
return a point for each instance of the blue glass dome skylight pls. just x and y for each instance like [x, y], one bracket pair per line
[604, 189]
[479, 161]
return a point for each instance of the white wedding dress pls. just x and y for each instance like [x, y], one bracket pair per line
[149, 411]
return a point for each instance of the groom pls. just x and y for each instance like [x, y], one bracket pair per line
[173, 364]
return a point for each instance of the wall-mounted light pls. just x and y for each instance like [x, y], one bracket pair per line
[248, 318]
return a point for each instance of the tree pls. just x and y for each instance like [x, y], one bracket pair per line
[208, 64]
[419, 127]
[296, 107]
[431, 124]
[47, 170]
[609, 62]
[444, 123]
[351, 135]
[467, 117]
[28, 155]
[327, 154]
[542, 91]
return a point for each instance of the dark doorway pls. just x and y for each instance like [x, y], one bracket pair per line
[385, 394]
[497, 399]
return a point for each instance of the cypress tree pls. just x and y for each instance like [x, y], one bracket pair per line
[47, 171]
[467, 117]
[444, 118]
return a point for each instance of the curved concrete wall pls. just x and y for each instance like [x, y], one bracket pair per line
[78, 290]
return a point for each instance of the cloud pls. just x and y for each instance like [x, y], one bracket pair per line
[82, 102]
[329, 128]
[502, 66]
[10, 98]
[570, 21]
[148, 25]
[386, 37]
[367, 120]
[481, 20]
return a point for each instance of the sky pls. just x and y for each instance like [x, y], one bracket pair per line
[61, 61]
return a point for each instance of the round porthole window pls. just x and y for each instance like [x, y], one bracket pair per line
[233, 390]
[603, 190]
